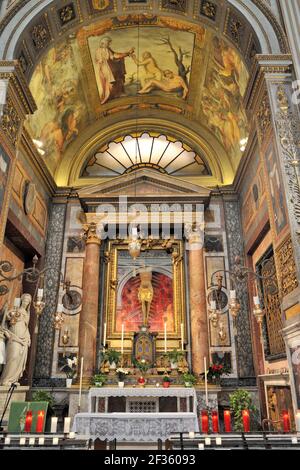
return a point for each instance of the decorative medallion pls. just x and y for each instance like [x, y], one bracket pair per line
[100, 6]
[71, 300]
[66, 14]
[208, 9]
[29, 197]
[179, 5]
[40, 35]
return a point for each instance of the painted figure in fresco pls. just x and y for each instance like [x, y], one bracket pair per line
[111, 69]
[18, 342]
[145, 294]
[151, 69]
[169, 83]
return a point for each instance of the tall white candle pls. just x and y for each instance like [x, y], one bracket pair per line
[122, 339]
[67, 425]
[80, 383]
[205, 380]
[182, 337]
[165, 330]
[53, 425]
[104, 334]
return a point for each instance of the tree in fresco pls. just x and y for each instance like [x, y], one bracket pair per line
[179, 56]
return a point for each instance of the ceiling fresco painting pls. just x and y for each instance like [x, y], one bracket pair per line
[112, 66]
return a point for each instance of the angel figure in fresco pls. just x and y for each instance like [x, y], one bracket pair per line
[151, 69]
[111, 70]
[169, 83]
[145, 294]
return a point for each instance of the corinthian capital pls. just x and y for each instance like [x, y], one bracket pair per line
[194, 233]
[92, 233]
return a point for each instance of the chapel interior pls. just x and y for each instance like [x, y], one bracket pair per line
[149, 217]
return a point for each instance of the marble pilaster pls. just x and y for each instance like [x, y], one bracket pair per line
[90, 303]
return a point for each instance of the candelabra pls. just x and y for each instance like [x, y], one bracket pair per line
[239, 275]
[33, 275]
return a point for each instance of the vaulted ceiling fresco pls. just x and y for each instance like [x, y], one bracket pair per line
[113, 66]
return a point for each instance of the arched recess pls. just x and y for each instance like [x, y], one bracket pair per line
[197, 137]
[256, 13]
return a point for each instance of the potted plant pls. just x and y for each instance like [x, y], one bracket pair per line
[113, 357]
[215, 371]
[143, 366]
[189, 379]
[240, 400]
[99, 380]
[166, 381]
[70, 369]
[174, 356]
[121, 373]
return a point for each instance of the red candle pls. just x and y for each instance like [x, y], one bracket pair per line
[215, 421]
[227, 421]
[204, 422]
[28, 421]
[286, 421]
[40, 421]
[246, 420]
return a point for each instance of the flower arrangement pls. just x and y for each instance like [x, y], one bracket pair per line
[121, 373]
[70, 368]
[215, 371]
[166, 381]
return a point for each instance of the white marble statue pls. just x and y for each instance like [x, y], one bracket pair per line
[18, 342]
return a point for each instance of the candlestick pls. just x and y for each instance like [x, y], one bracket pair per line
[40, 421]
[227, 421]
[80, 383]
[165, 334]
[104, 334]
[286, 421]
[28, 421]
[122, 340]
[215, 421]
[204, 422]
[53, 425]
[205, 381]
[246, 420]
[182, 337]
[67, 424]
[297, 419]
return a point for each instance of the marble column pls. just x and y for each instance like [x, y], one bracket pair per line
[197, 295]
[90, 301]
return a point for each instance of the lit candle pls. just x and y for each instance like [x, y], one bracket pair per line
[7, 441]
[182, 337]
[122, 339]
[191, 435]
[232, 294]
[256, 300]
[22, 441]
[205, 381]
[165, 331]
[201, 446]
[207, 441]
[32, 441]
[104, 334]
[204, 422]
[218, 441]
[40, 293]
[67, 425]
[215, 421]
[28, 421]
[286, 421]
[40, 421]
[17, 302]
[55, 441]
[246, 420]
[213, 305]
[297, 418]
[227, 421]
[80, 384]
[53, 425]
[41, 441]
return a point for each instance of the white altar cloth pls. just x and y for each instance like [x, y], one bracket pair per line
[134, 427]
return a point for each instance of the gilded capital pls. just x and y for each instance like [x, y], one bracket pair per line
[92, 233]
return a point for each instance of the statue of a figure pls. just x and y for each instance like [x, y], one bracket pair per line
[145, 294]
[18, 342]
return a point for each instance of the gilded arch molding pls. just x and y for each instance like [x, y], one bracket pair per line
[199, 139]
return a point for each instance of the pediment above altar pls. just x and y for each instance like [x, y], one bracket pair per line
[144, 183]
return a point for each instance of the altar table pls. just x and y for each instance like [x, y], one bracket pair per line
[134, 427]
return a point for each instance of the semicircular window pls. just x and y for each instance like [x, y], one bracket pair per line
[147, 150]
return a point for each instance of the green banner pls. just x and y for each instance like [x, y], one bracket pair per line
[27, 417]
